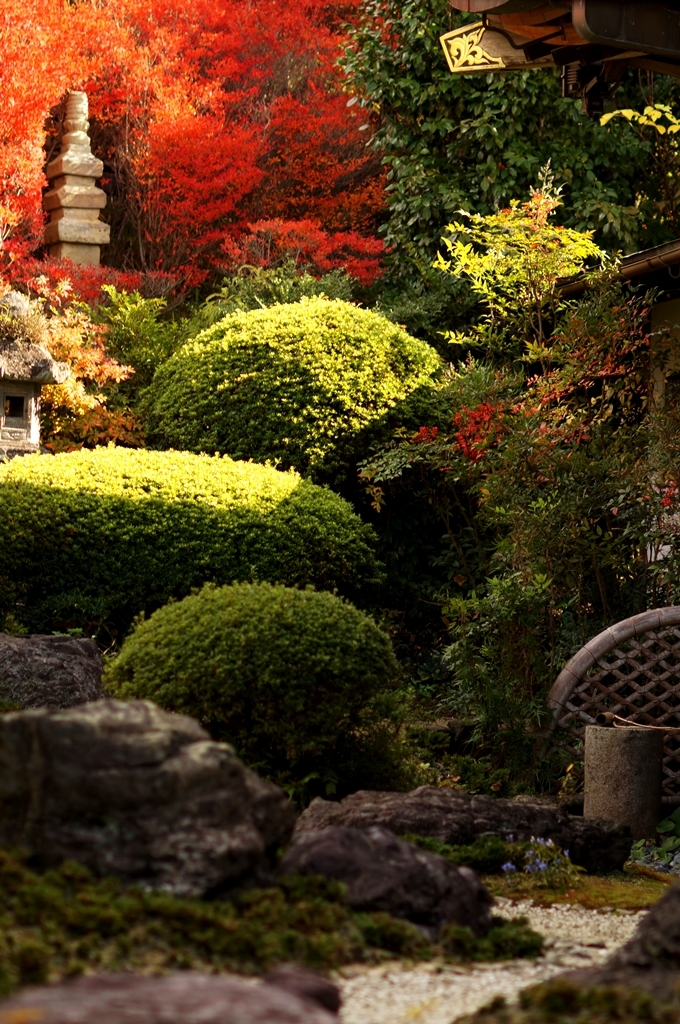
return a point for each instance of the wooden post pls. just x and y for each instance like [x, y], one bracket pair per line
[623, 777]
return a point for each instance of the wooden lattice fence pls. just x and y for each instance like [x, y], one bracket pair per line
[631, 669]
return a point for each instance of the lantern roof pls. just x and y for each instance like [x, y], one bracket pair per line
[22, 356]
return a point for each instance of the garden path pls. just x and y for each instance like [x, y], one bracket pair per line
[438, 993]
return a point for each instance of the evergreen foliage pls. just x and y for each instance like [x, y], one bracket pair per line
[474, 142]
[261, 287]
[144, 332]
[93, 538]
[534, 466]
[306, 385]
[301, 682]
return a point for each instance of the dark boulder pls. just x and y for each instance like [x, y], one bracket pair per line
[455, 817]
[49, 671]
[382, 872]
[134, 791]
[182, 998]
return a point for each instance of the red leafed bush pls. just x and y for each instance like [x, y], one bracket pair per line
[60, 281]
[75, 414]
[478, 429]
[273, 242]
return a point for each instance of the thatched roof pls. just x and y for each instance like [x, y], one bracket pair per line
[23, 332]
[22, 360]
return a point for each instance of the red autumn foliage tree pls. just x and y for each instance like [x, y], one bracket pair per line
[209, 117]
[305, 243]
[75, 414]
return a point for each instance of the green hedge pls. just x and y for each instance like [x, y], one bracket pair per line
[306, 384]
[95, 537]
[288, 676]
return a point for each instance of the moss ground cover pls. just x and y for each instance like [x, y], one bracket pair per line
[621, 890]
[562, 1001]
[506, 940]
[92, 538]
[64, 922]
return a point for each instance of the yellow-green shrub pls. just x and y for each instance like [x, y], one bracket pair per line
[295, 679]
[307, 383]
[94, 537]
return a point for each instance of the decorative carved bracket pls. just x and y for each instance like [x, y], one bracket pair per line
[480, 49]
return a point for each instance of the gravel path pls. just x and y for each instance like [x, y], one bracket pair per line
[438, 993]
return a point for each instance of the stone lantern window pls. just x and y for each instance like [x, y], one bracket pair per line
[19, 413]
[15, 410]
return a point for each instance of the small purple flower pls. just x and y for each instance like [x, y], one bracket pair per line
[566, 853]
[508, 866]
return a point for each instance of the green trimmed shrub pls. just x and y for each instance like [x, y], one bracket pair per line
[306, 384]
[96, 537]
[293, 678]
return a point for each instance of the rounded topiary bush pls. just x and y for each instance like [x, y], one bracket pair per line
[92, 537]
[306, 384]
[295, 679]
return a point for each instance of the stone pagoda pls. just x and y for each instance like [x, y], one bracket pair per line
[73, 202]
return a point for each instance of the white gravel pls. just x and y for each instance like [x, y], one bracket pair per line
[438, 993]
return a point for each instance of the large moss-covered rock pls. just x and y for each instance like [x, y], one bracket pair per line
[130, 790]
[306, 383]
[95, 537]
[456, 818]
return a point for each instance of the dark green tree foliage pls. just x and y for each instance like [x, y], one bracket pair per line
[475, 142]
[307, 384]
[302, 683]
[543, 486]
[92, 538]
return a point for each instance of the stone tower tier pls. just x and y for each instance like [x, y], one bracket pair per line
[74, 201]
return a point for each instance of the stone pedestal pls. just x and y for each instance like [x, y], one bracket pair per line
[623, 777]
[73, 202]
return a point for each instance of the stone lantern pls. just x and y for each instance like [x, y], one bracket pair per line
[25, 366]
[75, 231]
